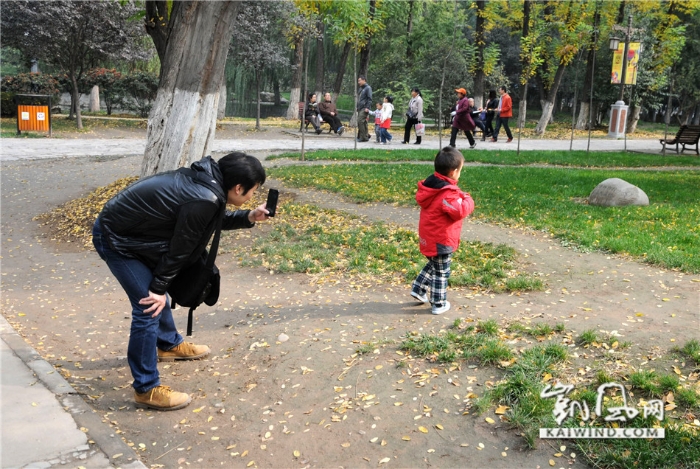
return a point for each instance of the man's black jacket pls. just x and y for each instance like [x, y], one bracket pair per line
[166, 220]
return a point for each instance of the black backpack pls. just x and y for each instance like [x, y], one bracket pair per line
[199, 282]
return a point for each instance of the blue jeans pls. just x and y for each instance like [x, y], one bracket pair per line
[147, 333]
[385, 135]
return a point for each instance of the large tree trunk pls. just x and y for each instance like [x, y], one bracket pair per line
[157, 28]
[221, 111]
[548, 107]
[522, 110]
[364, 53]
[320, 59]
[182, 123]
[409, 30]
[583, 114]
[480, 42]
[75, 97]
[258, 79]
[633, 117]
[276, 89]
[297, 69]
[338, 85]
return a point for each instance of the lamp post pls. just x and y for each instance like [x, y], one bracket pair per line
[618, 113]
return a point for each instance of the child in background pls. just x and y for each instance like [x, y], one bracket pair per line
[385, 122]
[443, 207]
[377, 121]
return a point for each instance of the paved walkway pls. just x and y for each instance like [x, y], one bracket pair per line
[39, 148]
[44, 422]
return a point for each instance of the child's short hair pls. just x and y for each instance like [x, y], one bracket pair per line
[389, 98]
[379, 104]
[448, 159]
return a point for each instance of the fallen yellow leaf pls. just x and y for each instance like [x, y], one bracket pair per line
[422, 429]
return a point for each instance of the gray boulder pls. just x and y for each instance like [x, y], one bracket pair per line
[615, 192]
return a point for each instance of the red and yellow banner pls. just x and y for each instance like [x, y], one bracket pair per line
[632, 64]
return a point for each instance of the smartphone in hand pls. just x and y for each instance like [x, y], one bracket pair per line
[271, 204]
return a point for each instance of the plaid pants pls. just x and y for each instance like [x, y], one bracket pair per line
[434, 276]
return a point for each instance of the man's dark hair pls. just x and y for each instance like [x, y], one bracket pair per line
[448, 159]
[239, 168]
[362, 77]
[503, 88]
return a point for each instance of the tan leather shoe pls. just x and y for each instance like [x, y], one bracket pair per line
[162, 398]
[184, 351]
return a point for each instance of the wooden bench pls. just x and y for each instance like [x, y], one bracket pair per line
[304, 123]
[687, 135]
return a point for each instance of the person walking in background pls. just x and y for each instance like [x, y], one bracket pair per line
[385, 121]
[505, 112]
[364, 101]
[462, 119]
[491, 108]
[311, 113]
[476, 117]
[414, 116]
[443, 206]
[377, 114]
[329, 113]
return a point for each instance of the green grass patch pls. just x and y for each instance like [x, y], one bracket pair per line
[582, 159]
[520, 390]
[587, 337]
[305, 238]
[690, 350]
[526, 375]
[666, 233]
[680, 448]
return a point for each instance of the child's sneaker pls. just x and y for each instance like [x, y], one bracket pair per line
[441, 309]
[419, 297]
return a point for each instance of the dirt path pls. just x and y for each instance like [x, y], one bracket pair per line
[310, 400]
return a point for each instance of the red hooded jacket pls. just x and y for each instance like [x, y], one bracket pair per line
[443, 207]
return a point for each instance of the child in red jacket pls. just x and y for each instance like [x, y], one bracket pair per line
[443, 207]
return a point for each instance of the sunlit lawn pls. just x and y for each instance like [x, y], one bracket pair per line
[666, 233]
[508, 157]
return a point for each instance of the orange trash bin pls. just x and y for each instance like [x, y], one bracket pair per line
[33, 117]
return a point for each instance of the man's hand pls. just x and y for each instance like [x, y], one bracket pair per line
[156, 301]
[259, 214]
